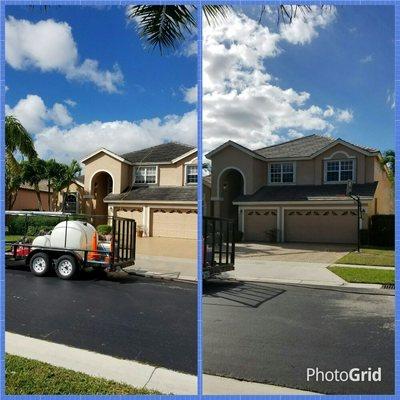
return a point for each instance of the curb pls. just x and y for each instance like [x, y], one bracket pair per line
[155, 275]
[217, 385]
[304, 282]
[99, 365]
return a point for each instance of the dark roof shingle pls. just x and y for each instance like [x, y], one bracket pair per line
[156, 193]
[302, 147]
[305, 192]
[165, 152]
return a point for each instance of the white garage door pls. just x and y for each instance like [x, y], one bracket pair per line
[321, 226]
[259, 225]
[174, 223]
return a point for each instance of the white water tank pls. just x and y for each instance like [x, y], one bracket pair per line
[42, 241]
[79, 235]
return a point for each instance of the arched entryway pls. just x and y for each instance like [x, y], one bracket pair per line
[101, 186]
[231, 186]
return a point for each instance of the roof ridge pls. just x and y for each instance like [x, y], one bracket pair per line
[159, 145]
[291, 141]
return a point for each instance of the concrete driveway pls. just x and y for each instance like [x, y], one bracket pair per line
[287, 262]
[297, 252]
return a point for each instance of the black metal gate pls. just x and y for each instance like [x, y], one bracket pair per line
[123, 245]
[218, 246]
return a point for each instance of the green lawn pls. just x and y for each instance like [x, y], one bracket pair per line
[369, 256]
[364, 275]
[25, 376]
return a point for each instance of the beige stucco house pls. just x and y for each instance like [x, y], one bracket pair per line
[155, 186]
[296, 191]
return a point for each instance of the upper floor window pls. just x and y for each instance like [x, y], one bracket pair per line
[191, 174]
[146, 174]
[339, 171]
[281, 173]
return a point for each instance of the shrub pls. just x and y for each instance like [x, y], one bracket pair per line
[19, 224]
[104, 229]
[381, 230]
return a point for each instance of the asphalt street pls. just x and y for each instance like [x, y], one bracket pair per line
[271, 333]
[120, 315]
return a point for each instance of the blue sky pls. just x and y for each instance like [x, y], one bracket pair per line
[342, 58]
[148, 86]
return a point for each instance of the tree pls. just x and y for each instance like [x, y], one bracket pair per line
[33, 172]
[17, 140]
[388, 159]
[52, 172]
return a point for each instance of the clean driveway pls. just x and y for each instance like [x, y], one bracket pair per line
[271, 333]
[287, 262]
[127, 317]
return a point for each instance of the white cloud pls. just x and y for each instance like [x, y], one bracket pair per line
[241, 100]
[344, 115]
[70, 102]
[117, 136]
[190, 94]
[6, 88]
[49, 46]
[304, 28]
[190, 49]
[366, 59]
[293, 134]
[34, 115]
[390, 99]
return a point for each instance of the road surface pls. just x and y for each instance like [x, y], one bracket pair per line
[272, 333]
[123, 316]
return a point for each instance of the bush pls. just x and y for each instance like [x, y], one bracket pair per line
[20, 225]
[381, 230]
[104, 229]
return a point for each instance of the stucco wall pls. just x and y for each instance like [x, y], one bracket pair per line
[103, 162]
[174, 175]
[27, 201]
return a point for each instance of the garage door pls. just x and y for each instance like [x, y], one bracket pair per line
[321, 226]
[258, 225]
[174, 223]
[134, 213]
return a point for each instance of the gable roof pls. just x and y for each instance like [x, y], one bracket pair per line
[307, 146]
[167, 152]
[106, 151]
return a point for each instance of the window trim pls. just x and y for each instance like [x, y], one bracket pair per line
[326, 161]
[145, 166]
[186, 175]
[294, 164]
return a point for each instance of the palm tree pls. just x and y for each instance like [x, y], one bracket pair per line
[52, 172]
[34, 171]
[17, 140]
[165, 26]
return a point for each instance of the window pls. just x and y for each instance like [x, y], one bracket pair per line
[191, 174]
[281, 173]
[339, 171]
[146, 174]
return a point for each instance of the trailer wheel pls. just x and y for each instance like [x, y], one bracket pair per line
[66, 267]
[39, 264]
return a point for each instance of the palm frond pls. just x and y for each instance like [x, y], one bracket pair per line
[17, 138]
[162, 26]
[214, 14]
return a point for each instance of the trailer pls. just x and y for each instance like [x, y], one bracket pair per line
[218, 246]
[73, 244]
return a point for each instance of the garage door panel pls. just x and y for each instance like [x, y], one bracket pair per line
[135, 213]
[321, 226]
[174, 223]
[257, 223]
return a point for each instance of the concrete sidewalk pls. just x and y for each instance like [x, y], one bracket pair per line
[284, 271]
[164, 267]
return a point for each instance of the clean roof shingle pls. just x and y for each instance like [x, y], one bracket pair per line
[304, 192]
[156, 193]
[165, 152]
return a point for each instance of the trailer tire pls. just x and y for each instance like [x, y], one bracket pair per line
[39, 264]
[66, 267]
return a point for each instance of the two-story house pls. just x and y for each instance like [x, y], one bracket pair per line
[155, 186]
[296, 191]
